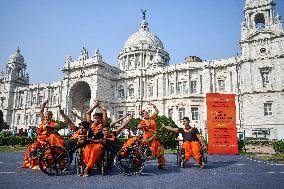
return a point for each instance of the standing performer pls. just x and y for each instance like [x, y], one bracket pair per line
[47, 130]
[191, 139]
[149, 127]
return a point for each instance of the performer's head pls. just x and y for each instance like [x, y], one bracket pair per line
[145, 114]
[185, 122]
[97, 117]
[84, 126]
[106, 129]
[48, 115]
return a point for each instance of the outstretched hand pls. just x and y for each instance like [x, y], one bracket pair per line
[73, 113]
[130, 116]
[45, 102]
[96, 103]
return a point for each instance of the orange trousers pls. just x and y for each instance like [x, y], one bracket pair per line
[130, 142]
[158, 151]
[192, 149]
[92, 154]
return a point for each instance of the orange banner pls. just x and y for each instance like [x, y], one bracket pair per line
[221, 123]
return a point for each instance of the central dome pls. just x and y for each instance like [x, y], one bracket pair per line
[143, 37]
[140, 49]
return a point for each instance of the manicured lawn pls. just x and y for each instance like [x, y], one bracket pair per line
[279, 158]
[16, 148]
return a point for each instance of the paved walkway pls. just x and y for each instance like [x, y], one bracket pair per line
[222, 171]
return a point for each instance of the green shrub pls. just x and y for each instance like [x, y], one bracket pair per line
[16, 140]
[241, 144]
[278, 146]
[165, 137]
[5, 133]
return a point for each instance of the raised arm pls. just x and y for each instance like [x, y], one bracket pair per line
[123, 126]
[67, 120]
[118, 120]
[155, 107]
[41, 113]
[89, 112]
[170, 128]
[77, 116]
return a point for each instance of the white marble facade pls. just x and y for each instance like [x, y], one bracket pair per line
[143, 74]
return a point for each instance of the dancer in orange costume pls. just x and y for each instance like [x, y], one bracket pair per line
[149, 127]
[47, 130]
[191, 139]
[99, 119]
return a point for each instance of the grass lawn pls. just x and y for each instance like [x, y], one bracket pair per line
[16, 148]
[279, 158]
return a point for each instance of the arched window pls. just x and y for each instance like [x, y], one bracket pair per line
[131, 90]
[259, 21]
[120, 91]
[150, 90]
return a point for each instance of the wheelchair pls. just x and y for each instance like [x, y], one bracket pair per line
[52, 160]
[181, 156]
[131, 160]
[105, 164]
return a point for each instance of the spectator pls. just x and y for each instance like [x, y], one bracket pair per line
[126, 133]
[21, 132]
[26, 133]
[30, 132]
[69, 133]
[14, 132]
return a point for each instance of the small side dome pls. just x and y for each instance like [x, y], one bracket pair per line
[17, 57]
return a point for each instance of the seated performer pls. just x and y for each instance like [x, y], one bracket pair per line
[149, 127]
[93, 151]
[47, 130]
[110, 137]
[191, 139]
[92, 147]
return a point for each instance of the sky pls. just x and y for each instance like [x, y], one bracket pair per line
[48, 31]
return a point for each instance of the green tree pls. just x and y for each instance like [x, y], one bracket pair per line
[132, 125]
[1, 120]
[3, 124]
[165, 137]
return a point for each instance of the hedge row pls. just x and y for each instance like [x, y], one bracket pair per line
[278, 146]
[16, 140]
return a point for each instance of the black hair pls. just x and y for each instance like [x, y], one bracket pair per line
[98, 114]
[186, 118]
[85, 124]
[107, 125]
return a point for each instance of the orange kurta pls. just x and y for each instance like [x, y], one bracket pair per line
[96, 127]
[45, 132]
[149, 136]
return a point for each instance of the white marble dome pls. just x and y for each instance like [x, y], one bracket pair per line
[17, 57]
[143, 36]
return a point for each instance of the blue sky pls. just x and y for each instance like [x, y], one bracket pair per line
[47, 31]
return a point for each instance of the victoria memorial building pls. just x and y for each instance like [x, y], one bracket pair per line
[143, 74]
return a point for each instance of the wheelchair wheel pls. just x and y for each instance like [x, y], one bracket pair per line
[53, 160]
[79, 163]
[203, 158]
[130, 161]
[181, 161]
[107, 161]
